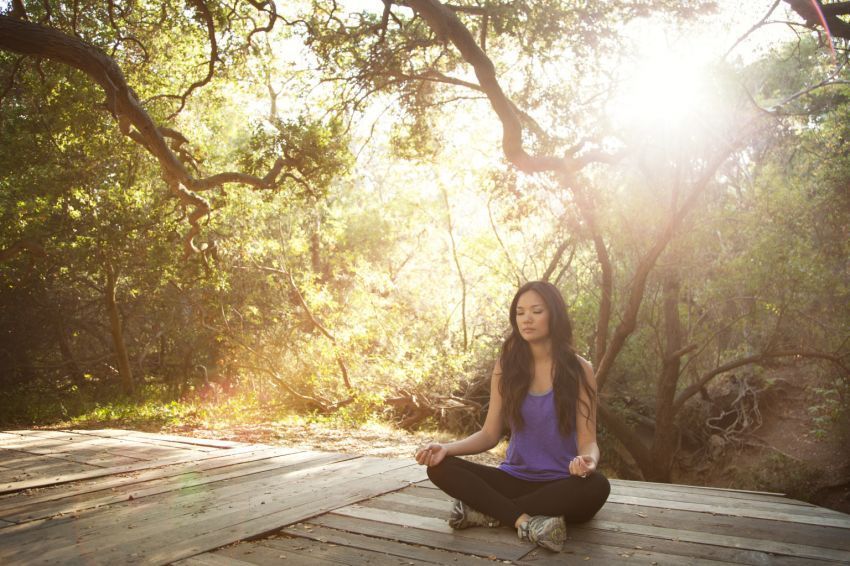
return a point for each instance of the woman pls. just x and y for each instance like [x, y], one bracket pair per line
[546, 395]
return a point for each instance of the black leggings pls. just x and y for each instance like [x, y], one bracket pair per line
[505, 497]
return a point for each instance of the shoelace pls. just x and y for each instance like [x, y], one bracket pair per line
[522, 531]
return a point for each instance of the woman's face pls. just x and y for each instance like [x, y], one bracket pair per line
[532, 317]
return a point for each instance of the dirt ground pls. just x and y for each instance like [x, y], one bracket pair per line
[801, 448]
[370, 439]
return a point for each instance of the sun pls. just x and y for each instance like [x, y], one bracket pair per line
[663, 92]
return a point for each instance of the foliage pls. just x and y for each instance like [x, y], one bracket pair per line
[381, 263]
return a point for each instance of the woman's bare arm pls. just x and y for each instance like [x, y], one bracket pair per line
[586, 425]
[481, 441]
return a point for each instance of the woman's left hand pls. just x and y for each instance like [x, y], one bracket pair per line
[582, 466]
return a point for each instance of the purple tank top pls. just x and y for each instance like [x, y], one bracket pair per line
[539, 452]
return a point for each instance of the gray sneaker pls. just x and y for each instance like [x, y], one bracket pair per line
[463, 516]
[548, 532]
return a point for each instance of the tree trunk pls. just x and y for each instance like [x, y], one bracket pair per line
[117, 331]
[666, 433]
[68, 358]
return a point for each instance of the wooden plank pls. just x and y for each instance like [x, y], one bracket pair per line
[380, 510]
[182, 498]
[92, 449]
[769, 546]
[699, 487]
[422, 492]
[827, 519]
[115, 535]
[248, 471]
[41, 469]
[129, 439]
[579, 553]
[436, 507]
[177, 515]
[191, 440]
[262, 555]
[785, 506]
[24, 461]
[211, 559]
[296, 550]
[15, 501]
[353, 540]
[7, 436]
[35, 445]
[622, 486]
[827, 537]
[454, 542]
[685, 550]
[67, 478]
[301, 501]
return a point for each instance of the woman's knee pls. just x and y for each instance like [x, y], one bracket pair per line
[438, 472]
[602, 487]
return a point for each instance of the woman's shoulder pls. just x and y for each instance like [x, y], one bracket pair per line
[586, 365]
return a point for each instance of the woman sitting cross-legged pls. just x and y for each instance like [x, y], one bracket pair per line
[546, 395]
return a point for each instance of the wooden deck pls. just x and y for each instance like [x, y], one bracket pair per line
[126, 497]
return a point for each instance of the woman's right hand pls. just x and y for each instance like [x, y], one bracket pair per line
[431, 454]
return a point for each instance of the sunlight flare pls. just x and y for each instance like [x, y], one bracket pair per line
[664, 92]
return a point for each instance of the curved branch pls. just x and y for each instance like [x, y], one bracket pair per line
[811, 10]
[204, 12]
[29, 38]
[695, 387]
[448, 27]
[645, 266]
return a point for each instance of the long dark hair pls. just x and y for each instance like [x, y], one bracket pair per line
[517, 362]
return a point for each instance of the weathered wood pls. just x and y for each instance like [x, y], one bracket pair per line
[770, 546]
[788, 506]
[211, 559]
[824, 520]
[684, 549]
[734, 493]
[302, 502]
[178, 515]
[829, 537]
[580, 553]
[210, 442]
[78, 476]
[165, 510]
[129, 439]
[423, 492]
[353, 540]
[181, 507]
[296, 550]
[454, 542]
[15, 503]
[245, 472]
[624, 487]
[262, 555]
[377, 510]
[434, 507]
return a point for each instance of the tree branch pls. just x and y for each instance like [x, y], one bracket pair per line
[808, 10]
[29, 38]
[695, 387]
[448, 27]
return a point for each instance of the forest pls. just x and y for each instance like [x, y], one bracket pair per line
[323, 208]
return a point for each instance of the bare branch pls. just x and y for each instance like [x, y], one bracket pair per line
[204, 13]
[695, 387]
